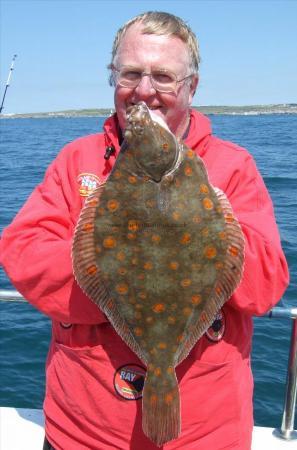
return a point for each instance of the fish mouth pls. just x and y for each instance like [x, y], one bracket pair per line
[138, 117]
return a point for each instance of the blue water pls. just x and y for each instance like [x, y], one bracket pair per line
[27, 147]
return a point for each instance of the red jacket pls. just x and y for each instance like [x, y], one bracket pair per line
[93, 379]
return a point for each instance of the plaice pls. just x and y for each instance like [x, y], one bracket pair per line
[159, 250]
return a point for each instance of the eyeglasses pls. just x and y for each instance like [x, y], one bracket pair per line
[161, 80]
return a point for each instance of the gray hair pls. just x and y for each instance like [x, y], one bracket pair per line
[161, 23]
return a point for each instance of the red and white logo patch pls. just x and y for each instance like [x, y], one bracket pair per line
[87, 182]
[129, 380]
[217, 330]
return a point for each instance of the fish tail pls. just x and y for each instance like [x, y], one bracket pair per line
[161, 408]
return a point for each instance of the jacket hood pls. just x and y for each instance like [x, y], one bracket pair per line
[197, 139]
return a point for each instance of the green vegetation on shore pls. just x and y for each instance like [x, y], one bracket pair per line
[287, 108]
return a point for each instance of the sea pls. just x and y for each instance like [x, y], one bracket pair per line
[27, 147]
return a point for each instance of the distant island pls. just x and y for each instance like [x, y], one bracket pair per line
[285, 108]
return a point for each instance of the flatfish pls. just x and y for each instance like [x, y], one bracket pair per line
[159, 250]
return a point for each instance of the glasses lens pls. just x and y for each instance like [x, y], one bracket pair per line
[163, 81]
[129, 77]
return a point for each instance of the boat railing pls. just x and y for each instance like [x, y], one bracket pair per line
[286, 430]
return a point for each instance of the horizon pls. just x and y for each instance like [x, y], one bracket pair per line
[249, 56]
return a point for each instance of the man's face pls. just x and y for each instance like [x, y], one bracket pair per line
[148, 52]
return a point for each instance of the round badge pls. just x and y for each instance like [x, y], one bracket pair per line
[87, 183]
[217, 330]
[129, 380]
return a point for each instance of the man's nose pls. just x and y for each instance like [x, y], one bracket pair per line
[145, 88]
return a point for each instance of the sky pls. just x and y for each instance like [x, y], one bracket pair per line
[248, 50]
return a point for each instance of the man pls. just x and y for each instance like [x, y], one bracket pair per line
[94, 381]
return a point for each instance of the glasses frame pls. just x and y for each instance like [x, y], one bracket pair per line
[149, 74]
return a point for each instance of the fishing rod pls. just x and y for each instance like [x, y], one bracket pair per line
[8, 81]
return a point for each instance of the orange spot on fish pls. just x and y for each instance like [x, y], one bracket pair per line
[218, 290]
[122, 271]
[149, 319]
[219, 265]
[185, 239]
[173, 265]
[109, 242]
[153, 399]
[88, 227]
[159, 307]
[210, 252]
[132, 179]
[100, 211]
[196, 299]
[203, 188]
[110, 304]
[229, 218]
[133, 225]
[233, 251]
[165, 146]
[141, 276]
[222, 235]
[93, 202]
[190, 154]
[162, 345]
[176, 215]
[203, 316]
[148, 265]
[187, 311]
[138, 331]
[177, 182]
[131, 236]
[180, 338]
[186, 282]
[168, 398]
[207, 203]
[112, 205]
[188, 171]
[117, 174]
[121, 256]
[98, 249]
[142, 295]
[171, 320]
[170, 370]
[157, 371]
[122, 288]
[92, 270]
[156, 238]
[134, 261]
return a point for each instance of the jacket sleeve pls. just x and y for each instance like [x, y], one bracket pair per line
[35, 249]
[265, 276]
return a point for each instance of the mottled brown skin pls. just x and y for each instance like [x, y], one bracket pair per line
[164, 249]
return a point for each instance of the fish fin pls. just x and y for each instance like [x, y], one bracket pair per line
[88, 274]
[230, 277]
[161, 420]
[85, 269]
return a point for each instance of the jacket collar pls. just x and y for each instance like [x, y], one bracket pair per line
[197, 138]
